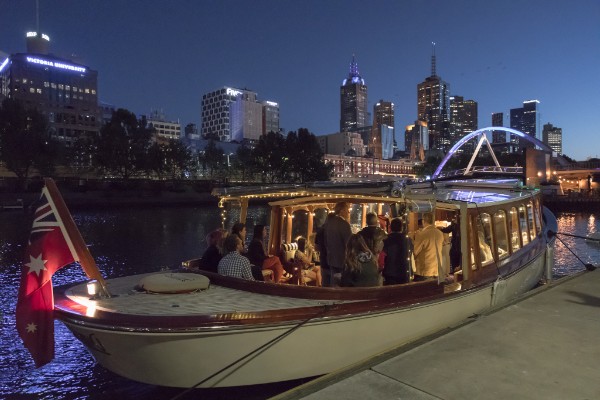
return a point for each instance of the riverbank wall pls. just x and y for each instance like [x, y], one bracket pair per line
[574, 203]
[109, 194]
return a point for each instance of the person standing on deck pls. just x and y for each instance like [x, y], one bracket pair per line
[428, 250]
[397, 248]
[336, 232]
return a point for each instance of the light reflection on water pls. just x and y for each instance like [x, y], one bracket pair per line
[144, 240]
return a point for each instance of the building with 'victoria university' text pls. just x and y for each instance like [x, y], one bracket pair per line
[63, 90]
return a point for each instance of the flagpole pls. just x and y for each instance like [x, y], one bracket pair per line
[83, 254]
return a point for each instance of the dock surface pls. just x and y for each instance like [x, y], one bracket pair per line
[546, 345]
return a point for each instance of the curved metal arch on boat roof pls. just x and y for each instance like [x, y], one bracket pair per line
[478, 132]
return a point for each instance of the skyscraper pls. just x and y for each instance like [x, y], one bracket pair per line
[353, 101]
[552, 136]
[383, 122]
[432, 107]
[463, 120]
[498, 120]
[524, 119]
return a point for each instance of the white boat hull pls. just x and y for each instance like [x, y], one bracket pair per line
[186, 358]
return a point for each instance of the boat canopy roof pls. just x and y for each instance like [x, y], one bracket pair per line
[476, 192]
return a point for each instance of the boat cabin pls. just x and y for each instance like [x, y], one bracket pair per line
[496, 219]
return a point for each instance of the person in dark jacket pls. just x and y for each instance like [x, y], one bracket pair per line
[213, 253]
[373, 235]
[397, 248]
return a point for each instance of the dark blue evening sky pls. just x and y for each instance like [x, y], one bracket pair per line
[167, 54]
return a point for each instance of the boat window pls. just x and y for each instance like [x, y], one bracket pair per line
[299, 224]
[513, 226]
[501, 234]
[484, 238]
[536, 213]
[472, 244]
[523, 225]
[532, 233]
[356, 212]
[320, 215]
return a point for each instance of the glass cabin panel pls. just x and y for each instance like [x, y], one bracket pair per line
[537, 214]
[501, 234]
[514, 229]
[299, 224]
[484, 238]
[319, 218]
[356, 212]
[530, 221]
[523, 225]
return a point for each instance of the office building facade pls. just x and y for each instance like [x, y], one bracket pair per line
[64, 91]
[236, 114]
[552, 137]
[162, 129]
[416, 140]
[382, 139]
[524, 119]
[463, 120]
[432, 108]
[354, 113]
[498, 120]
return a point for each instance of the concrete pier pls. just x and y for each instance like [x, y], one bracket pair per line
[545, 345]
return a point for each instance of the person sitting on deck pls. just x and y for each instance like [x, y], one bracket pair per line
[213, 253]
[258, 255]
[360, 268]
[233, 263]
[239, 229]
[304, 256]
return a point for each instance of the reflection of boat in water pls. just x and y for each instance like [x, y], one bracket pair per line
[238, 332]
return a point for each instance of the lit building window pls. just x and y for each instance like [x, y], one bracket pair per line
[61, 86]
[39, 91]
[31, 90]
[53, 85]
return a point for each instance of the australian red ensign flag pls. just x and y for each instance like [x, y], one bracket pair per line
[48, 250]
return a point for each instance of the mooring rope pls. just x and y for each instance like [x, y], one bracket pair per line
[588, 266]
[591, 239]
[325, 309]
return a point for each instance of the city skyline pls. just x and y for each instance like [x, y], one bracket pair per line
[166, 55]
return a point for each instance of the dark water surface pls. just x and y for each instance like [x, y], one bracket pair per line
[124, 242]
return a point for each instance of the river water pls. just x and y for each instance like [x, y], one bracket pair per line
[145, 240]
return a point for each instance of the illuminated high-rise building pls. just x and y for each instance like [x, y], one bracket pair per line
[524, 119]
[353, 101]
[63, 90]
[432, 107]
[382, 138]
[552, 136]
[498, 120]
[463, 120]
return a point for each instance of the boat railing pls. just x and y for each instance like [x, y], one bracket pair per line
[499, 170]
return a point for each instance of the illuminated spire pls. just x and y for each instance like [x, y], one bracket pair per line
[433, 73]
[354, 75]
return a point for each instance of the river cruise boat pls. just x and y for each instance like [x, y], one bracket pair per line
[196, 328]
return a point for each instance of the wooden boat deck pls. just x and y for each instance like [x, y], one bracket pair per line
[214, 300]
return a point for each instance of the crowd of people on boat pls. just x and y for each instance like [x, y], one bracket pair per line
[334, 256]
